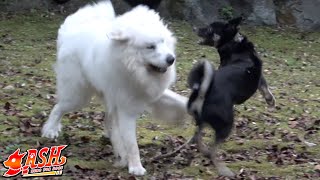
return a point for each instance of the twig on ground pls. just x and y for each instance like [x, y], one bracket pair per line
[191, 140]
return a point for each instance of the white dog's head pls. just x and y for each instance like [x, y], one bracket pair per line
[145, 39]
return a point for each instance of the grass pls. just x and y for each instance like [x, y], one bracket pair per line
[291, 63]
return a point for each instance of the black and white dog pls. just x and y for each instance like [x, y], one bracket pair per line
[216, 91]
[224, 36]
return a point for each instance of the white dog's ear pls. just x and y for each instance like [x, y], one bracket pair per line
[118, 35]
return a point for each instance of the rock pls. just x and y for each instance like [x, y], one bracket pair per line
[263, 13]
[9, 87]
[309, 16]
[302, 14]
[298, 13]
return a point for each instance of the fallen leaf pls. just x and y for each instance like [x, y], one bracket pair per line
[293, 124]
[7, 106]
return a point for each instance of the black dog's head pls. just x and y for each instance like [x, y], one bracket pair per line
[218, 33]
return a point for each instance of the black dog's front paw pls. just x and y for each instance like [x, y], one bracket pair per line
[271, 101]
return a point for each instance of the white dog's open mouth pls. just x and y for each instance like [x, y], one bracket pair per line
[157, 69]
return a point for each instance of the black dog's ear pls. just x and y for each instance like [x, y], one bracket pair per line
[235, 22]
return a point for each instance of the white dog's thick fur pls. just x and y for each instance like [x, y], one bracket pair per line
[124, 61]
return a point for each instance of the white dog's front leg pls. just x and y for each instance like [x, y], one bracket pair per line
[107, 124]
[127, 129]
[170, 107]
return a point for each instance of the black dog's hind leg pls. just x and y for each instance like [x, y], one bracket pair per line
[266, 93]
[221, 135]
[223, 170]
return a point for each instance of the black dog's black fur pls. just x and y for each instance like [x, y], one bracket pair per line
[227, 32]
[230, 85]
[234, 82]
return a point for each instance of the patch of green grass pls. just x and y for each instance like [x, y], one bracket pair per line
[99, 164]
[269, 169]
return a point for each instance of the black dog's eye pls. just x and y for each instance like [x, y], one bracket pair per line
[151, 46]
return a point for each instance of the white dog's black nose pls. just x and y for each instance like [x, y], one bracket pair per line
[170, 59]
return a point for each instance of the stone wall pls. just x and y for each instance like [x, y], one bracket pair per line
[303, 14]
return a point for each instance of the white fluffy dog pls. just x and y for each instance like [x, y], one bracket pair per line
[127, 61]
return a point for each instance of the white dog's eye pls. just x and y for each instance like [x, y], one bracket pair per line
[151, 46]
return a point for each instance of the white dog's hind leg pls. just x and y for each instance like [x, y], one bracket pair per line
[127, 129]
[73, 93]
[52, 127]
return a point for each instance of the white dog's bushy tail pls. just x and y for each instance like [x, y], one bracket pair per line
[89, 14]
[102, 10]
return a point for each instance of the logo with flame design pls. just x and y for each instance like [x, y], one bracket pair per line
[43, 162]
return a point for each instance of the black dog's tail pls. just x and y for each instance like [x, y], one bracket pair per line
[198, 73]
[199, 81]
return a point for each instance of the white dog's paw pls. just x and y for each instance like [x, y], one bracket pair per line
[51, 130]
[138, 171]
